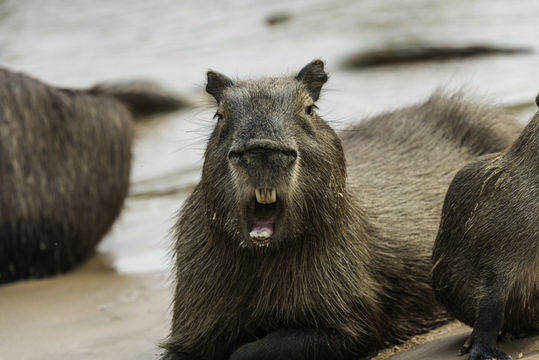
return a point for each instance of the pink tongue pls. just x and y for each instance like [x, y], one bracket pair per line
[262, 229]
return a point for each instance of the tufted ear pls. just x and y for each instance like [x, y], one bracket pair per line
[217, 83]
[313, 77]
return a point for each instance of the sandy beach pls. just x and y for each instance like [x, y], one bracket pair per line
[92, 313]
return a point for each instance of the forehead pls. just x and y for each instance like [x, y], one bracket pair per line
[266, 94]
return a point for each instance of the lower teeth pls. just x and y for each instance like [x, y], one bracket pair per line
[260, 234]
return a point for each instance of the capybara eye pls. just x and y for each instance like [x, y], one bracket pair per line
[218, 116]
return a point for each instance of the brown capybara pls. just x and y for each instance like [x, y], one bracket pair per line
[279, 256]
[486, 254]
[65, 157]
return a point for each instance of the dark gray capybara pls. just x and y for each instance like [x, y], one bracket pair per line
[65, 157]
[486, 254]
[279, 256]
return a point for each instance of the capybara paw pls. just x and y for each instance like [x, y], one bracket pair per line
[487, 353]
[479, 351]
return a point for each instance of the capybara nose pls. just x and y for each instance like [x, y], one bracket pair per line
[262, 153]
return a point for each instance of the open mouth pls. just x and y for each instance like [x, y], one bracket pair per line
[263, 212]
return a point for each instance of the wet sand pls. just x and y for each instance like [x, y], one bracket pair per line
[95, 313]
[91, 313]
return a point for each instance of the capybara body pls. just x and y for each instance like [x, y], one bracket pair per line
[486, 254]
[280, 255]
[65, 158]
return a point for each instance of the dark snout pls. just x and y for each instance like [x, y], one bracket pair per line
[262, 153]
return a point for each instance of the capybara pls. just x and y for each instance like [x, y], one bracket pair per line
[65, 158]
[486, 254]
[279, 256]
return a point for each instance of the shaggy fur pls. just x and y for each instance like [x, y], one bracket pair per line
[346, 271]
[486, 255]
[65, 158]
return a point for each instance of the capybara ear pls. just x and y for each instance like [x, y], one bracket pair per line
[217, 82]
[313, 77]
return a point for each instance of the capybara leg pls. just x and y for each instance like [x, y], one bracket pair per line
[481, 344]
[295, 345]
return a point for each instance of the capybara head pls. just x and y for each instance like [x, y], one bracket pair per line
[274, 171]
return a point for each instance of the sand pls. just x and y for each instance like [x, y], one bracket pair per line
[96, 313]
[91, 313]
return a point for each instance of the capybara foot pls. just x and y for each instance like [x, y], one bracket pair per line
[480, 351]
[487, 353]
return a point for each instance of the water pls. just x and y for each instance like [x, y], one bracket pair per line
[78, 43]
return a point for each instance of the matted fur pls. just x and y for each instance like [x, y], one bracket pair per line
[487, 248]
[351, 271]
[65, 157]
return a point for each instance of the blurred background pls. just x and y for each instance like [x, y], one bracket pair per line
[380, 55]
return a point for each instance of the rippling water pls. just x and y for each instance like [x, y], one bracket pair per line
[77, 43]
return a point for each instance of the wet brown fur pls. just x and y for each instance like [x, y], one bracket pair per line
[351, 274]
[65, 158]
[488, 241]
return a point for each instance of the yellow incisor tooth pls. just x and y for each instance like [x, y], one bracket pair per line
[266, 195]
[273, 196]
